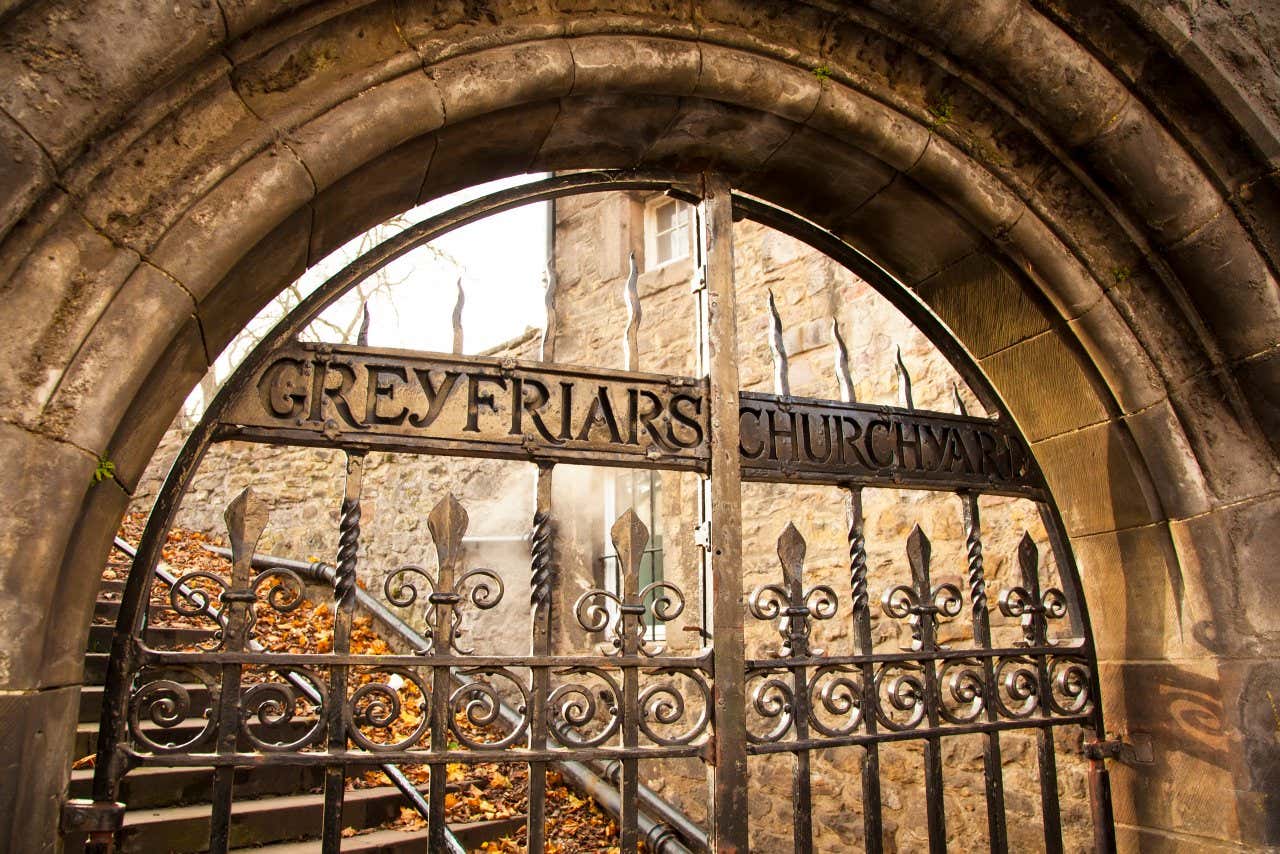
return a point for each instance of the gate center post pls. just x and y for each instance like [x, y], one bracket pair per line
[721, 511]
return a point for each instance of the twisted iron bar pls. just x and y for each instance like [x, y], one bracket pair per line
[541, 548]
[344, 582]
[858, 559]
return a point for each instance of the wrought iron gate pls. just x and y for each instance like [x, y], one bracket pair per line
[633, 701]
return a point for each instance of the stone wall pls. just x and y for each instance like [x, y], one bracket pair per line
[595, 234]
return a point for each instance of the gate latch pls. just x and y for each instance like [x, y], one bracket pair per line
[1136, 751]
[96, 818]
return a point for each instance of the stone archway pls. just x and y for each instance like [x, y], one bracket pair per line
[1027, 172]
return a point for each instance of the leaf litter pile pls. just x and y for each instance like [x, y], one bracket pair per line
[487, 791]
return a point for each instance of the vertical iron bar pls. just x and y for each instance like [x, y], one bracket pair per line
[1104, 830]
[872, 815]
[918, 551]
[447, 523]
[540, 589]
[246, 517]
[992, 768]
[1029, 564]
[722, 514]
[629, 540]
[344, 593]
[872, 811]
[791, 552]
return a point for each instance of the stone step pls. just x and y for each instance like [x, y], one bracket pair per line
[151, 788]
[106, 610]
[185, 829]
[95, 670]
[471, 836]
[160, 637]
[112, 588]
[87, 732]
[91, 700]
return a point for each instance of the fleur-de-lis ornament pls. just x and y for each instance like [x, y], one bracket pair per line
[450, 585]
[790, 601]
[622, 615]
[920, 603]
[1026, 601]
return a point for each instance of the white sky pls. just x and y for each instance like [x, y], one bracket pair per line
[501, 259]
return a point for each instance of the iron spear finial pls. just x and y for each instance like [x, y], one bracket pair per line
[362, 337]
[457, 318]
[781, 371]
[905, 399]
[631, 295]
[843, 376]
[548, 343]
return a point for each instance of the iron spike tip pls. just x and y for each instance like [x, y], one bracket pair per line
[791, 546]
[959, 401]
[1027, 548]
[843, 377]
[362, 337]
[904, 382]
[447, 523]
[629, 536]
[781, 371]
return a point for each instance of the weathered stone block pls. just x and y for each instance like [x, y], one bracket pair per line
[1159, 323]
[1119, 357]
[1136, 594]
[323, 65]
[276, 260]
[791, 31]
[439, 30]
[1156, 177]
[708, 134]
[111, 365]
[754, 81]
[1227, 279]
[371, 194]
[646, 65]
[1235, 457]
[1177, 478]
[606, 130]
[506, 141]
[213, 235]
[45, 478]
[909, 232]
[79, 581]
[149, 185]
[975, 194]
[1098, 479]
[1060, 275]
[154, 405]
[878, 130]
[37, 732]
[986, 306]
[1048, 386]
[72, 71]
[25, 173]
[1259, 379]
[477, 84]
[53, 300]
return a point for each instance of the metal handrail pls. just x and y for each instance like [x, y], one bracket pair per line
[393, 772]
[665, 828]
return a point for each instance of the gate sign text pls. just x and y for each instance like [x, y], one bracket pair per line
[395, 400]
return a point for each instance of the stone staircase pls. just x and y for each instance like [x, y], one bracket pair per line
[277, 808]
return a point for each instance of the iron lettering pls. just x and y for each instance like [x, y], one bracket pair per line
[417, 402]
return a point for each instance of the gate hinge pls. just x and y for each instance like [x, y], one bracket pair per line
[1136, 751]
[81, 815]
[699, 281]
[702, 535]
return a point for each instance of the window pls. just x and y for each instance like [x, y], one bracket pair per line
[667, 227]
[635, 489]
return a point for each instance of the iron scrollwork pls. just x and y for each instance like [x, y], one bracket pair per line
[483, 587]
